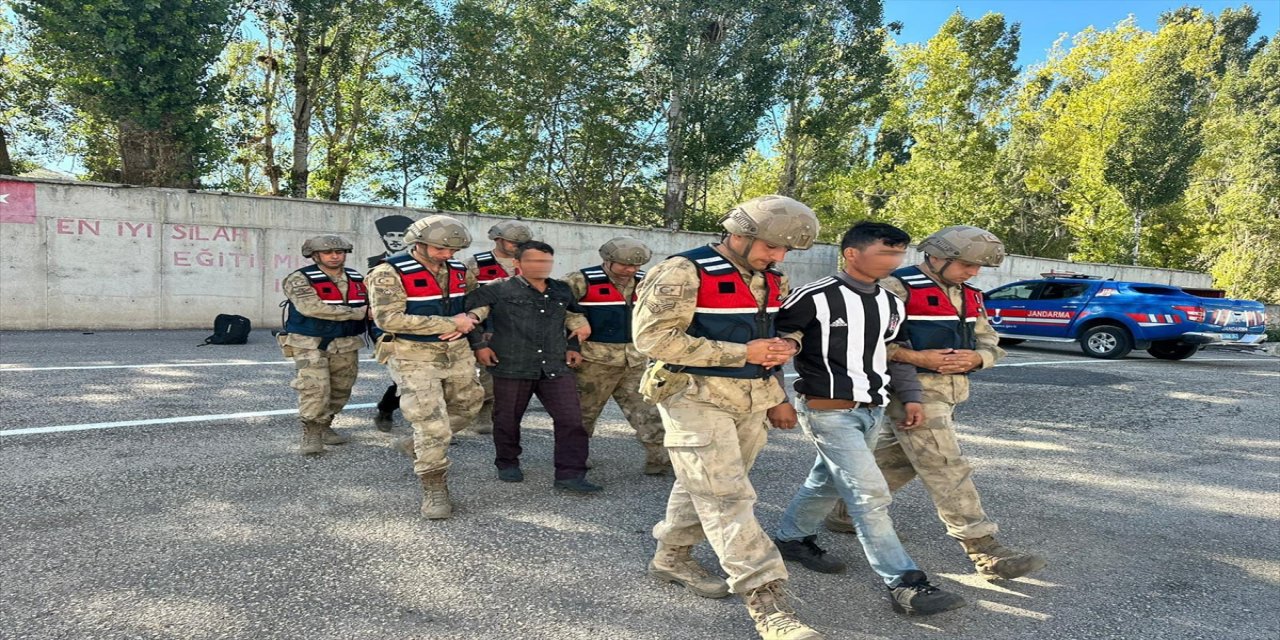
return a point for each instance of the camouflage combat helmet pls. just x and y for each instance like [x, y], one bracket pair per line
[438, 231]
[511, 231]
[625, 250]
[777, 220]
[965, 243]
[325, 243]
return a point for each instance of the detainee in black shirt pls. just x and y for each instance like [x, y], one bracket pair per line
[531, 353]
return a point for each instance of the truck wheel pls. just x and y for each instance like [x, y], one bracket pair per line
[1009, 342]
[1108, 342]
[1173, 350]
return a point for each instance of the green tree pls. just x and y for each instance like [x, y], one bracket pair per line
[936, 155]
[710, 69]
[144, 67]
[833, 65]
[1236, 182]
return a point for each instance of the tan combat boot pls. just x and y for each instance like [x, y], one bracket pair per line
[312, 439]
[329, 436]
[773, 615]
[435, 496]
[993, 560]
[656, 460]
[676, 564]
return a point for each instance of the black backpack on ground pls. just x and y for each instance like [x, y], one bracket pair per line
[229, 329]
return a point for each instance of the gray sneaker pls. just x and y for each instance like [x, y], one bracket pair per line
[914, 596]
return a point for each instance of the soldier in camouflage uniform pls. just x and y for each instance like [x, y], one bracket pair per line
[418, 299]
[490, 266]
[950, 338]
[611, 366]
[707, 316]
[325, 318]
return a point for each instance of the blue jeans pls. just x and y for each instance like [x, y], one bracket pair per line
[846, 469]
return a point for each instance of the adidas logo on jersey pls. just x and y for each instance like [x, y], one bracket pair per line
[839, 322]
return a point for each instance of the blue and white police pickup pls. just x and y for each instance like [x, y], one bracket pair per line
[1110, 318]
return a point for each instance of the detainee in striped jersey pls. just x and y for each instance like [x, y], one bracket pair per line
[847, 325]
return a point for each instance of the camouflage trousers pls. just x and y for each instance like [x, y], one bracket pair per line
[932, 452]
[438, 403]
[484, 407]
[323, 382]
[712, 451]
[598, 382]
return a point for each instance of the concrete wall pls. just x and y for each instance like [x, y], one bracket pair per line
[77, 255]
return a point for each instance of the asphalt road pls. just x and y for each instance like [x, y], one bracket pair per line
[1152, 487]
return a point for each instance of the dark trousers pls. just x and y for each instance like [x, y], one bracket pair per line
[390, 400]
[559, 396]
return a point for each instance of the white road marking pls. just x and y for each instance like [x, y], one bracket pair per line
[176, 420]
[1136, 361]
[173, 365]
[281, 412]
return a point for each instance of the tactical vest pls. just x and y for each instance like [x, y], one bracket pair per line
[727, 310]
[357, 297]
[932, 321]
[488, 268]
[423, 295]
[607, 311]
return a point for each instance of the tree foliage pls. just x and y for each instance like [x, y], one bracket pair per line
[1146, 146]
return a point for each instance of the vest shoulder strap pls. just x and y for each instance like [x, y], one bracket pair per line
[354, 276]
[313, 273]
[485, 259]
[404, 263]
[708, 261]
[594, 275]
[456, 265]
[914, 278]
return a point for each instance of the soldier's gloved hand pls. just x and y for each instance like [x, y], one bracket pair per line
[914, 417]
[782, 416]
[487, 357]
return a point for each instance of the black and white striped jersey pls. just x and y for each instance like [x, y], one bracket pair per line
[843, 353]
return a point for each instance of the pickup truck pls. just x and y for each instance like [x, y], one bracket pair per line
[1110, 318]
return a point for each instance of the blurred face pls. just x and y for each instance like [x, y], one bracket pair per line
[760, 255]
[619, 271]
[330, 259]
[874, 261]
[504, 248]
[535, 265]
[434, 255]
[957, 272]
[394, 240]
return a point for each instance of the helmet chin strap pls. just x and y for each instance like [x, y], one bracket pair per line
[742, 257]
[941, 272]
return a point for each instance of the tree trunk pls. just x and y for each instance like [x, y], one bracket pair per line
[154, 158]
[300, 172]
[677, 185]
[270, 85]
[1137, 236]
[6, 163]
